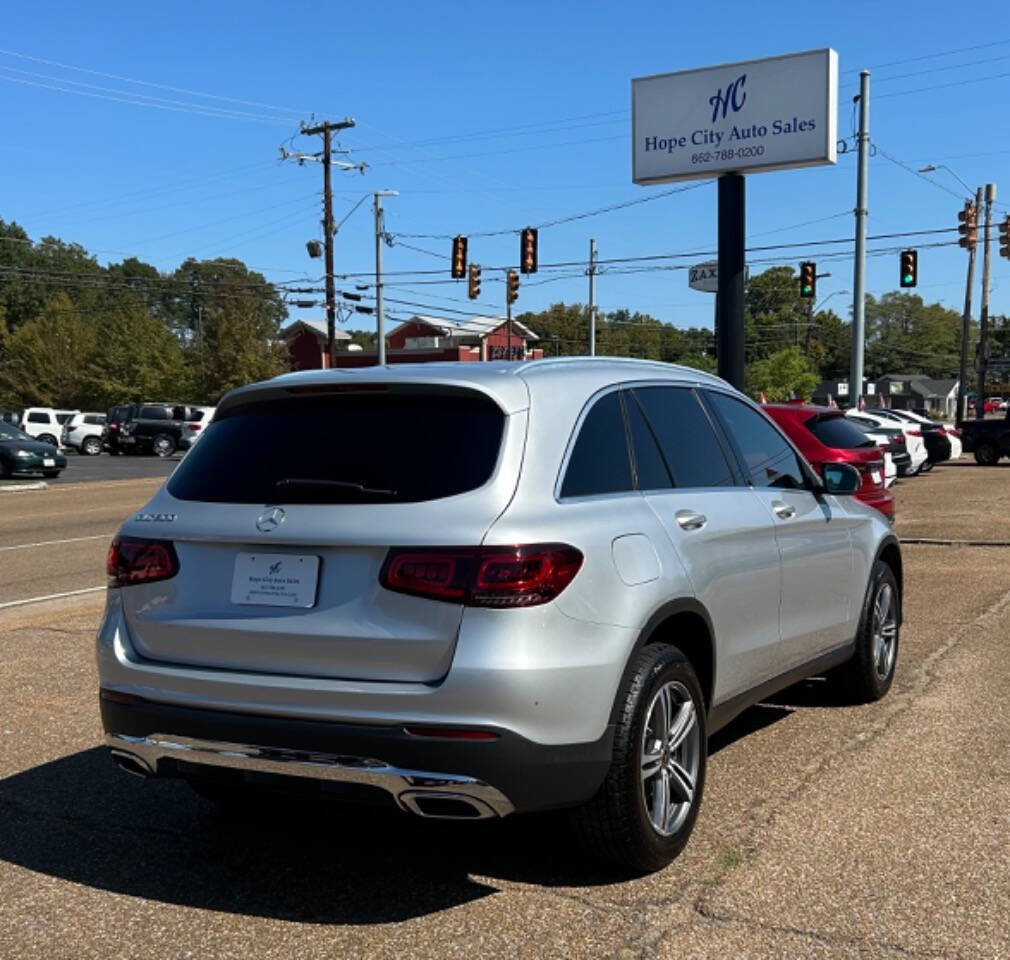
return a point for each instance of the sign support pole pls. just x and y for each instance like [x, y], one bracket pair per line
[859, 269]
[730, 297]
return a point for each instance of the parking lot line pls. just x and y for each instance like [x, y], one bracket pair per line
[50, 596]
[51, 543]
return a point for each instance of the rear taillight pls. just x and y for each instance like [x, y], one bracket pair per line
[132, 561]
[113, 427]
[915, 433]
[899, 438]
[953, 431]
[194, 427]
[502, 577]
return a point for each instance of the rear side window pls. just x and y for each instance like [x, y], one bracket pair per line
[154, 413]
[599, 461]
[95, 419]
[769, 459]
[64, 417]
[395, 447]
[36, 417]
[651, 472]
[839, 432]
[689, 444]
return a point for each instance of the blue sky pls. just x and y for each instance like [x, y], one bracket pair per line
[483, 118]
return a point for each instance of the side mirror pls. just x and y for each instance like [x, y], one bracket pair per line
[841, 478]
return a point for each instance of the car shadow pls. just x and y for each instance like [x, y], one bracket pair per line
[321, 861]
[311, 861]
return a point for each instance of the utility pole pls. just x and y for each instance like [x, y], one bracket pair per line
[592, 300]
[379, 235]
[983, 318]
[327, 129]
[962, 381]
[859, 271]
[508, 318]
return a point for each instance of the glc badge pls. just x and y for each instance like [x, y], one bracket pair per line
[270, 519]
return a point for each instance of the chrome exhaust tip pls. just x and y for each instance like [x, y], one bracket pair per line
[131, 763]
[445, 806]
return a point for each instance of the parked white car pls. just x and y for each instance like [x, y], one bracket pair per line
[197, 419]
[907, 416]
[83, 432]
[913, 437]
[45, 424]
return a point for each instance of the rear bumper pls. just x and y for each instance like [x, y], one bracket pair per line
[491, 778]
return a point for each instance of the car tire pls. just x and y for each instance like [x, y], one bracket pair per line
[50, 474]
[635, 820]
[868, 675]
[5, 470]
[927, 466]
[986, 454]
[91, 446]
[47, 438]
[163, 445]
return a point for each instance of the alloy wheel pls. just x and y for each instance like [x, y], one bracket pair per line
[670, 757]
[885, 631]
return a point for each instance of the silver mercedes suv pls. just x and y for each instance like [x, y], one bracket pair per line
[475, 589]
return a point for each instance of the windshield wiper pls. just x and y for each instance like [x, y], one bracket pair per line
[310, 483]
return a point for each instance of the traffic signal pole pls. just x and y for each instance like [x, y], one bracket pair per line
[592, 297]
[730, 328]
[983, 317]
[859, 271]
[962, 379]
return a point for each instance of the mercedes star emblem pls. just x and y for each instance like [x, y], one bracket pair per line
[270, 519]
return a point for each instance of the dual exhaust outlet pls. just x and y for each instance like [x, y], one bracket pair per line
[430, 804]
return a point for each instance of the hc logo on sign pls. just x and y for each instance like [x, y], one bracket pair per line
[734, 98]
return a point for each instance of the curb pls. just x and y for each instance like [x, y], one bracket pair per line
[16, 487]
[934, 542]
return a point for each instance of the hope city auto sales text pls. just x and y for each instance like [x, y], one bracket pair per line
[714, 138]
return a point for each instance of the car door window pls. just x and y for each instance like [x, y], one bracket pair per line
[769, 459]
[38, 418]
[599, 462]
[651, 471]
[692, 451]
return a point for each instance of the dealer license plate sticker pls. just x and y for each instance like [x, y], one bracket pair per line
[275, 580]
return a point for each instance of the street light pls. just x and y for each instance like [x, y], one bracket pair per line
[933, 167]
[828, 297]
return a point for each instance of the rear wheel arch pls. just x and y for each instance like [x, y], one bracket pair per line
[686, 625]
[889, 552]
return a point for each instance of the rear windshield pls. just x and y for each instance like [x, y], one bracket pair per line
[837, 432]
[401, 447]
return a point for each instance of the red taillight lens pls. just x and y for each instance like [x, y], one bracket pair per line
[899, 438]
[451, 733]
[953, 431]
[915, 433]
[194, 427]
[113, 427]
[132, 561]
[503, 577]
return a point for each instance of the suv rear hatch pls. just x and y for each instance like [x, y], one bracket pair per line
[285, 512]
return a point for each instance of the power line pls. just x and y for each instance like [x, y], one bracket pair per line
[930, 56]
[147, 83]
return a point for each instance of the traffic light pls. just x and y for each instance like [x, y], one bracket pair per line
[511, 286]
[967, 225]
[473, 284]
[909, 268]
[528, 250]
[808, 280]
[458, 258]
[1004, 238]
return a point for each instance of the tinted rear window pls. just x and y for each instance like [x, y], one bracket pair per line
[837, 432]
[155, 413]
[377, 448]
[599, 463]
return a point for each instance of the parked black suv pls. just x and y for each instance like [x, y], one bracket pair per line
[158, 428]
[110, 432]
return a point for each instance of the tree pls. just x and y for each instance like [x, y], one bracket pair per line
[782, 375]
[906, 335]
[47, 358]
[227, 319]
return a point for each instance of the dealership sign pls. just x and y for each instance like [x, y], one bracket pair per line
[705, 276]
[748, 117]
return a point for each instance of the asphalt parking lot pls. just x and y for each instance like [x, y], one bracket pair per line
[82, 469]
[826, 831]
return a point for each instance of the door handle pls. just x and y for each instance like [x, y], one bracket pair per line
[689, 520]
[783, 510]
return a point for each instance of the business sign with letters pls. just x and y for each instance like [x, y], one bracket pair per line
[705, 276]
[771, 114]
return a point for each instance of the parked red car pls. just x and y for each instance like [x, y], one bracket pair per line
[824, 435]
